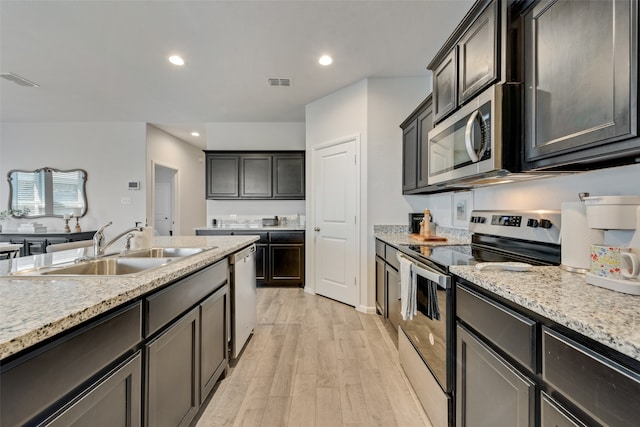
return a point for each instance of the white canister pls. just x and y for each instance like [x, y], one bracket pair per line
[576, 238]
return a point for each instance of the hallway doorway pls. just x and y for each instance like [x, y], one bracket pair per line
[164, 204]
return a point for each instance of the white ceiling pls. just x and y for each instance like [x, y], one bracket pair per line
[107, 60]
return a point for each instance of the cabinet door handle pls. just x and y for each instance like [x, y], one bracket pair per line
[316, 228]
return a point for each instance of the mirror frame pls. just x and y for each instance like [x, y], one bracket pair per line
[51, 170]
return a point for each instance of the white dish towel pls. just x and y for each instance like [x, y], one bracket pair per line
[408, 286]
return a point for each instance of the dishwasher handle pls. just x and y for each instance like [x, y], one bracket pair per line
[243, 254]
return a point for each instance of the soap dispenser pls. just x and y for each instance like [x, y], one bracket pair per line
[147, 235]
[137, 240]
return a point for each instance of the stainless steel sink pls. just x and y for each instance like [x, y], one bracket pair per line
[99, 267]
[164, 252]
[109, 267]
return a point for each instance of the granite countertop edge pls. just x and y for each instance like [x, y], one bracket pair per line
[35, 308]
[608, 317]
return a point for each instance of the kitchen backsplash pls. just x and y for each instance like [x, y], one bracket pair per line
[234, 219]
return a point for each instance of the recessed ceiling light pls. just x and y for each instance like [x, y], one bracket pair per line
[176, 60]
[195, 133]
[325, 60]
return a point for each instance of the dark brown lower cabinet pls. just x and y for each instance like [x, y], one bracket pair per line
[262, 256]
[173, 371]
[490, 392]
[36, 243]
[287, 263]
[113, 401]
[279, 255]
[214, 322]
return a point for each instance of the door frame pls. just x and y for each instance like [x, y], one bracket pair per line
[310, 278]
[175, 196]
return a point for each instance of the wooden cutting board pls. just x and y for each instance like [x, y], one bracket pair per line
[416, 236]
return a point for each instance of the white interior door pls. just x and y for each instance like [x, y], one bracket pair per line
[335, 221]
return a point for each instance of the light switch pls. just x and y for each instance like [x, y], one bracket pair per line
[125, 200]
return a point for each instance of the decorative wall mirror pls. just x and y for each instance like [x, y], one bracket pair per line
[48, 192]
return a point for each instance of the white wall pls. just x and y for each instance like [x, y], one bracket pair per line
[112, 154]
[389, 103]
[255, 136]
[166, 150]
[372, 109]
[340, 115]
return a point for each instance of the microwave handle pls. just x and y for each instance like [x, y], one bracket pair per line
[468, 137]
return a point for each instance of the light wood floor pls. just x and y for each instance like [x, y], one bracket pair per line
[314, 362]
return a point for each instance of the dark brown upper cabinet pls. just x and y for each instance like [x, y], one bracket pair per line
[581, 83]
[409, 156]
[415, 150]
[470, 59]
[288, 176]
[255, 175]
[445, 85]
[223, 176]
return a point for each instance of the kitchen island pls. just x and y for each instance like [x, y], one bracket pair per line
[130, 349]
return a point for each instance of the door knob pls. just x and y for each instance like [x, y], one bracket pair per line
[316, 229]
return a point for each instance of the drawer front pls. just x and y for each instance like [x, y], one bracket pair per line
[286, 236]
[380, 248]
[207, 232]
[552, 414]
[512, 332]
[264, 236]
[600, 387]
[391, 256]
[166, 305]
[30, 386]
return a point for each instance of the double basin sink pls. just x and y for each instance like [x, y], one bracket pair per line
[128, 264]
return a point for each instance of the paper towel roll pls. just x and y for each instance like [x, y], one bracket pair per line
[577, 238]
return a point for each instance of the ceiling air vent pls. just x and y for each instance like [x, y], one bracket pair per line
[278, 82]
[18, 80]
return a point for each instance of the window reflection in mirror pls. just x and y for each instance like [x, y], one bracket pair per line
[48, 192]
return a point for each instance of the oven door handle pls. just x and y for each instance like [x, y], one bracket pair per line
[443, 280]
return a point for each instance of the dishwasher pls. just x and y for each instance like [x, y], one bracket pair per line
[243, 299]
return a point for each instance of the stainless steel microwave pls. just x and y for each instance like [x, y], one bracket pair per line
[479, 141]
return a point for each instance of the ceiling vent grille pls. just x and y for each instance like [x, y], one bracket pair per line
[18, 80]
[273, 81]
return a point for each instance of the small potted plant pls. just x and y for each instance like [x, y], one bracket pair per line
[12, 212]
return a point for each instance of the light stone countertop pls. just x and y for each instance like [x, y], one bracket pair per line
[403, 239]
[292, 227]
[608, 317]
[35, 308]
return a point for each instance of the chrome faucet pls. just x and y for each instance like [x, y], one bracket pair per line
[100, 247]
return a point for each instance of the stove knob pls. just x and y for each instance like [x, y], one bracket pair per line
[545, 223]
[474, 219]
[482, 219]
[532, 223]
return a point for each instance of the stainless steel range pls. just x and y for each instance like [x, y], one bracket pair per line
[426, 342]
